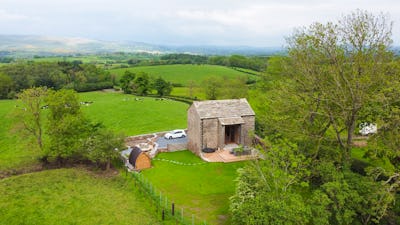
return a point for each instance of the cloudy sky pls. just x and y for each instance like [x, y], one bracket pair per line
[181, 22]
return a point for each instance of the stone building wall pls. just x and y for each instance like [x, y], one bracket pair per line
[210, 133]
[194, 131]
[247, 129]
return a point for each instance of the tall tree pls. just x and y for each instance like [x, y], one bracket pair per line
[142, 84]
[266, 189]
[126, 82]
[30, 112]
[162, 86]
[67, 127]
[335, 76]
[340, 68]
[100, 146]
[211, 86]
[6, 86]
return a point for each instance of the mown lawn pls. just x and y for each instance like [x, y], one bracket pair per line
[203, 190]
[71, 196]
[182, 74]
[116, 111]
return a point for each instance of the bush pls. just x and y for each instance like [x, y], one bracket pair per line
[358, 166]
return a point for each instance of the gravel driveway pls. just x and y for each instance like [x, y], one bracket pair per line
[162, 142]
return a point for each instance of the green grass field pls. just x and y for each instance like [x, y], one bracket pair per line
[71, 196]
[203, 190]
[116, 111]
[123, 113]
[182, 74]
[185, 92]
[14, 151]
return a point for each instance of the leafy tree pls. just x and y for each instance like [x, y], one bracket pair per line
[100, 146]
[126, 82]
[6, 86]
[266, 190]
[142, 84]
[219, 60]
[225, 88]
[57, 75]
[340, 68]
[163, 87]
[211, 86]
[335, 76]
[234, 88]
[67, 127]
[30, 113]
[191, 87]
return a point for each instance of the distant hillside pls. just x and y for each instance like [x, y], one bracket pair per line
[27, 46]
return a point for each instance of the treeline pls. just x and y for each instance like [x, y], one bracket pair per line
[6, 59]
[70, 75]
[142, 84]
[257, 63]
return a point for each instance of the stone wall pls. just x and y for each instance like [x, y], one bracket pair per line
[210, 133]
[194, 131]
[137, 139]
[221, 135]
[247, 129]
[177, 147]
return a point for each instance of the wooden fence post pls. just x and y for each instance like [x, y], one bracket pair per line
[182, 214]
[173, 209]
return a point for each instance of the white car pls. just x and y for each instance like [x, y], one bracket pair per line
[175, 134]
[368, 128]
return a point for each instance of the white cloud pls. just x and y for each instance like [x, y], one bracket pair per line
[9, 16]
[250, 22]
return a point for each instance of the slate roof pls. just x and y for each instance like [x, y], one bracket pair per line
[231, 120]
[229, 108]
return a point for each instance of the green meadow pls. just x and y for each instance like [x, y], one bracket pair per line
[183, 74]
[119, 112]
[127, 114]
[42, 197]
[14, 150]
[72, 196]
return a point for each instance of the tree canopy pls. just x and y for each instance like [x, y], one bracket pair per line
[308, 106]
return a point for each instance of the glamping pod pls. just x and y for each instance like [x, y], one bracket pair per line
[138, 159]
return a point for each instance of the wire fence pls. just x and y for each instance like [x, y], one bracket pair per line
[165, 207]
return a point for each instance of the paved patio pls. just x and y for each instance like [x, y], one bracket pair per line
[224, 155]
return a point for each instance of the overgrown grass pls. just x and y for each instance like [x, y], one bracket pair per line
[203, 190]
[71, 196]
[182, 74]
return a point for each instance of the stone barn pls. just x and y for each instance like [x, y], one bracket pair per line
[217, 123]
